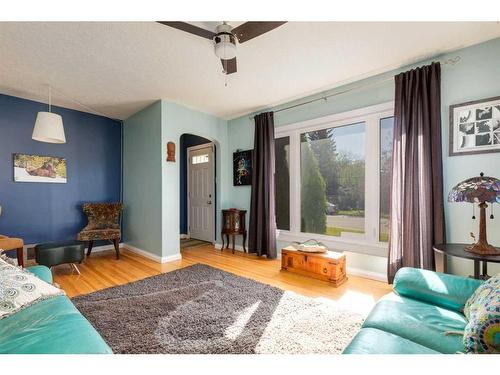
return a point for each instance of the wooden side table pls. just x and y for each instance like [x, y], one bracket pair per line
[17, 244]
[233, 224]
[458, 250]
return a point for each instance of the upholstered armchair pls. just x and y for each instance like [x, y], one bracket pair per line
[103, 224]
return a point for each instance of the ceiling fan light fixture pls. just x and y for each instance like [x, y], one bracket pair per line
[225, 48]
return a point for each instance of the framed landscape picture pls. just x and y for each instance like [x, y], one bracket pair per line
[35, 168]
[242, 168]
[475, 127]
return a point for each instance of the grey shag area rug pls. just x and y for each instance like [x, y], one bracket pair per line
[200, 309]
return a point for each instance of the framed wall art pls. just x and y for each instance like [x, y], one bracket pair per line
[36, 168]
[475, 127]
[242, 168]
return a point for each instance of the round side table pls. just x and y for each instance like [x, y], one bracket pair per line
[458, 250]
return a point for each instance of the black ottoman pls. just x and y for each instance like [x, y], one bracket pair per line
[55, 253]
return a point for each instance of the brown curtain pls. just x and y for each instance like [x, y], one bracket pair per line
[417, 213]
[262, 229]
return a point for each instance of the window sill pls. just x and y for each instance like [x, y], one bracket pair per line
[337, 243]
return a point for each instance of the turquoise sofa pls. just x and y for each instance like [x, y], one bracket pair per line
[414, 318]
[52, 326]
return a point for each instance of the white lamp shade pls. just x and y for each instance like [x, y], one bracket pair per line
[225, 50]
[49, 128]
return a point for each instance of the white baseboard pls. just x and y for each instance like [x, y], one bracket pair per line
[156, 258]
[185, 236]
[367, 274]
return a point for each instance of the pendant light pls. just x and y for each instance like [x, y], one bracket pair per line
[49, 126]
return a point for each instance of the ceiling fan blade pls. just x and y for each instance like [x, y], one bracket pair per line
[229, 65]
[187, 27]
[253, 29]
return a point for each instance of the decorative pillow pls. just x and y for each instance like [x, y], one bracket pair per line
[482, 309]
[20, 289]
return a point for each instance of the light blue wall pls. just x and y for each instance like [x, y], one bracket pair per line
[178, 120]
[151, 184]
[142, 179]
[146, 134]
[476, 76]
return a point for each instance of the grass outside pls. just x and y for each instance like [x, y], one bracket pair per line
[355, 213]
[384, 237]
[335, 231]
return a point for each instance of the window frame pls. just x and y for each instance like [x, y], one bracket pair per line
[371, 116]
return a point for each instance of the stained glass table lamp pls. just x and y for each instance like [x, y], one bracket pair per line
[482, 190]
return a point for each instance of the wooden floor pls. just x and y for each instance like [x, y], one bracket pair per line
[101, 270]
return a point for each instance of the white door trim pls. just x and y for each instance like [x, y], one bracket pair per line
[188, 172]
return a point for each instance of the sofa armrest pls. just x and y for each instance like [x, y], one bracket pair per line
[41, 272]
[448, 291]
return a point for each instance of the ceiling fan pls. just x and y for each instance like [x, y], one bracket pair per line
[226, 36]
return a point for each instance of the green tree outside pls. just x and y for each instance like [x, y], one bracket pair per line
[313, 196]
[282, 183]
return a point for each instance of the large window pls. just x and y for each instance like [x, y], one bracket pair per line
[333, 179]
[332, 166]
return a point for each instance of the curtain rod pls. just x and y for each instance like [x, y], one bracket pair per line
[451, 61]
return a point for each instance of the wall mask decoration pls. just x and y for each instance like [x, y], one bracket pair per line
[242, 168]
[171, 151]
[35, 168]
[475, 127]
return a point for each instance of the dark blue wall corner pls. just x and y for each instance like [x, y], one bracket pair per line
[187, 140]
[40, 212]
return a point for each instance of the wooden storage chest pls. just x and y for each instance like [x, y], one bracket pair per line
[329, 266]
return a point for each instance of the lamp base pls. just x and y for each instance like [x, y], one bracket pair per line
[483, 249]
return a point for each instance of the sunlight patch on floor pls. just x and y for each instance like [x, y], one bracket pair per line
[357, 302]
[305, 325]
[234, 330]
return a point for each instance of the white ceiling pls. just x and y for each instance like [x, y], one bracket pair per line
[118, 68]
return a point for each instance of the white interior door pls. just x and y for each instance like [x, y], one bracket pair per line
[201, 200]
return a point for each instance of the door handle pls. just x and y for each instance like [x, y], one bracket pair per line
[209, 202]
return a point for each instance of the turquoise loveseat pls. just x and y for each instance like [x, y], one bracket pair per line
[52, 326]
[414, 318]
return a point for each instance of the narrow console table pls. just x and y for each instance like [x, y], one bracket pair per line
[458, 250]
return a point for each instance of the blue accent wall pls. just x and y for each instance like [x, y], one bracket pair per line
[40, 212]
[186, 140]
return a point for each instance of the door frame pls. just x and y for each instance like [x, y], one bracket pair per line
[214, 170]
